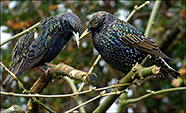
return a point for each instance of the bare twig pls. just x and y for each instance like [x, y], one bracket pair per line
[125, 102]
[74, 89]
[63, 95]
[21, 33]
[90, 70]
[152, 17]
[66, 70]
[37, 102]
[102, 94]
[129, 78]
[135, 9]
[15, 78]
[22, 87]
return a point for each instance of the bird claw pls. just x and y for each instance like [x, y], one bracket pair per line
[49, 64]
[47, 70]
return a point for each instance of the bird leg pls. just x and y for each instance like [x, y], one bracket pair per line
[118, 83]
[45, 71]
[50, 65]
[41, 69]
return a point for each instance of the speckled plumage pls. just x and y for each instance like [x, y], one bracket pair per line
[54, 32]
[121, 45]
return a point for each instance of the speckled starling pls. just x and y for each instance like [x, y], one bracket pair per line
[54, 32]
[121, 45]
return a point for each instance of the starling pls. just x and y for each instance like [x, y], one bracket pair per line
[33, 51]
[121, 45]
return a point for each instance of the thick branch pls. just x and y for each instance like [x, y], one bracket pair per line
[56, 70]
[65, 70]
[129, 78]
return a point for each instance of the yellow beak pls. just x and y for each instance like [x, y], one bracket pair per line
[86, 32]
[76, 35]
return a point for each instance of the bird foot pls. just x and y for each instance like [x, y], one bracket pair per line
[49, 64]
[47, 70]
[44, 71]
[118, 83]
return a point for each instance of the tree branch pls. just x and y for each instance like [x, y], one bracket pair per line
[56, 70]
[63, 95]
[21, 33]
[20, 85]
[102, 94]
[74, 89]
[36, 103]
[90, 70]
[129, 78]
[125, 102]
[135, 9]
[147, 32]
[65, 70]
[152, 17]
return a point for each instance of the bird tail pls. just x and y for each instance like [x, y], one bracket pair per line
[167, 70]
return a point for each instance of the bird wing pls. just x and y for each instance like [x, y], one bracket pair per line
[129, 35]
[20, 50]
[38, 48]
[19, 53]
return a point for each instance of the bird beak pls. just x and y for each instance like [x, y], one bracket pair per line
[86, 32]
[76, 35]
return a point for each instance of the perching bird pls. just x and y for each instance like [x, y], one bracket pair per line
[53, 34]
[121, 45]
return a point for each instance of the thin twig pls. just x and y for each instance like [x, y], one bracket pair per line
[129, 78]
[125, 102]
[90, 70]
[21, 33]
[135, 9]
[43, 105]
[15, 78]
[23, 89]
[64, 95]
[102, 94]
[152, 17]
[74, 89]
[83, 104]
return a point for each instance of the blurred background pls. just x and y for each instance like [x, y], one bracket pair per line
[168, 31]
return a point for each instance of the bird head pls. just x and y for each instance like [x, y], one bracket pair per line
[96, 23]
[72, 23]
